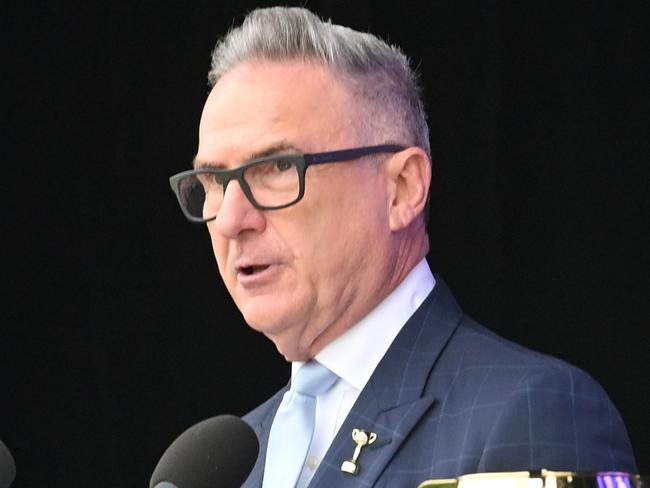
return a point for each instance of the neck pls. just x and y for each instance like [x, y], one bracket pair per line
[409, 248]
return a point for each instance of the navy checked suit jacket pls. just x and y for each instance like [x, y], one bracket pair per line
[451, 398]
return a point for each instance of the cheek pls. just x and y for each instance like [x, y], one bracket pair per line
[336, 248]
[220, 250]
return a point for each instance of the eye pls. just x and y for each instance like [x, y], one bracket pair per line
[283, 164]
[209, 180]
[217, 178]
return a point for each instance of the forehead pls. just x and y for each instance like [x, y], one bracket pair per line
[260, 103]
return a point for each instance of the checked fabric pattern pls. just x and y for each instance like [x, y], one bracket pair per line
[452, 398]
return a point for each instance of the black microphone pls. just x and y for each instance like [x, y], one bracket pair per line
[220, 451]
[7, 467]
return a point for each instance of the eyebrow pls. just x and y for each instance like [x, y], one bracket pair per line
[279, 147]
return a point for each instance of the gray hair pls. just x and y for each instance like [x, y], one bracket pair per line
[375, 72]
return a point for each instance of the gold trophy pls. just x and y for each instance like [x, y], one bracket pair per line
[361, 438]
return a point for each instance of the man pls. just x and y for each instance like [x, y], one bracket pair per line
[312, 176]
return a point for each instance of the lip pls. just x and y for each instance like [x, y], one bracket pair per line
[262, 277]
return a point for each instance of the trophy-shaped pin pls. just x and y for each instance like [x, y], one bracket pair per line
[362, 438]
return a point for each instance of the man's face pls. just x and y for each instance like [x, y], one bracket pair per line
[319, 265]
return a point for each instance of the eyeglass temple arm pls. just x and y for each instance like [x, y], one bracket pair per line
[350, 154]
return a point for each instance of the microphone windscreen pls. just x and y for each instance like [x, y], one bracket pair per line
[7, 467]
[220, 451]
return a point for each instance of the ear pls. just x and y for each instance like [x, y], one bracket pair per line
[409, 173]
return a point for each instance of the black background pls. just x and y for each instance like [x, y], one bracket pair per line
[116, 331]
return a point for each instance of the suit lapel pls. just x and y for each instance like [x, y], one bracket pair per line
[261, 424]
[394, 399]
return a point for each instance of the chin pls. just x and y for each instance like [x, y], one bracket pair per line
[266, 319]
[286, 334]
[272, 313]
[290, 348]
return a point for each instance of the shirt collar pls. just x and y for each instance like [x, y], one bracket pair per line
[355, 354]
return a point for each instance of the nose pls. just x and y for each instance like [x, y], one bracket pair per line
[237, 214]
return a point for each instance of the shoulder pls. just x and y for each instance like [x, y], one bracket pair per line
[474, 347]
[480, 358]
[544, 412]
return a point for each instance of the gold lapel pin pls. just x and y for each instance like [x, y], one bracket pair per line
[362, 438]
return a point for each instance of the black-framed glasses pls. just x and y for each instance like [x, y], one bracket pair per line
[269, 183]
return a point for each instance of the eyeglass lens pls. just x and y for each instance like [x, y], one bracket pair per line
[271, 183]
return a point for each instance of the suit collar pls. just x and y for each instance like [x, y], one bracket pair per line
[355, 354]
[395, 398]
[402, 374]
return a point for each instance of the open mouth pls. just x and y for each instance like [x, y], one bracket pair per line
[251, 270]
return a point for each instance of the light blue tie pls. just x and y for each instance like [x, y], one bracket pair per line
[293, 425]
